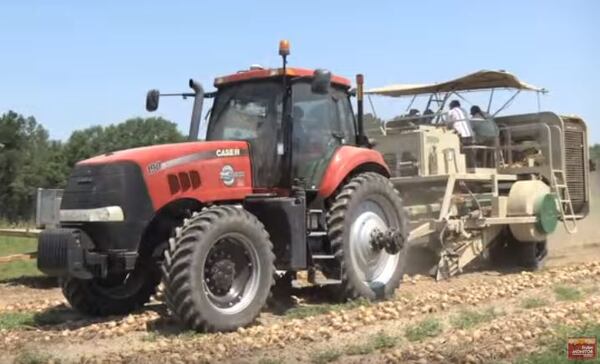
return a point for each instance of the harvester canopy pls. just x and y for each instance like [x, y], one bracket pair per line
[480, 80]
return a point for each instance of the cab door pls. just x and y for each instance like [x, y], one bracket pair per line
[321, 123]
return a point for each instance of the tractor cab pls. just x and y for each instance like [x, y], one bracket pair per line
[284, 113]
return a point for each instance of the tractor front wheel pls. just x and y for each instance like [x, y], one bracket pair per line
[117, 294]
[219, 270]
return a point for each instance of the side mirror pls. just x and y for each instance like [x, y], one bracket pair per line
[321, 81]
[152, 100]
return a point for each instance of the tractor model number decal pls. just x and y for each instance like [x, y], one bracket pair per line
[154, 167]
[228, 175]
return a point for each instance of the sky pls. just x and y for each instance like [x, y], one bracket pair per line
[74, 64]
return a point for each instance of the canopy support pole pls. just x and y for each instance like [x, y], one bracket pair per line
[507, 102]
[490, 102]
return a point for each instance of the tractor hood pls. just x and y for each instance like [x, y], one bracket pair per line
[156, 158]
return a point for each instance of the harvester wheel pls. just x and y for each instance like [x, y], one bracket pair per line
[367, 205]
[220, 270]
[532, 256]
[508, 252]
[118, 294]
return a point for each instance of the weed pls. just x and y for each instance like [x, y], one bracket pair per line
[31, 356]
[534, 302]
[567, 293]
[378, 341]
[325, 356]
[13, 320]
[468, 318]
[428, 327]
[381, 340]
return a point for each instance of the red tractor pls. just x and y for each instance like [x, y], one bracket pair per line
[284, 181]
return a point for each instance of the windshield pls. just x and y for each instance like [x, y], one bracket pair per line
[252, 112]
[246, 111]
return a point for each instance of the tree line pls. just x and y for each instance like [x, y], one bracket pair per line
[30, 159]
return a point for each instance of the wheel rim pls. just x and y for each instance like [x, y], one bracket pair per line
[373, 266]
[230, 273]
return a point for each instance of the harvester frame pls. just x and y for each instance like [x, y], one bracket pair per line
[546, 131]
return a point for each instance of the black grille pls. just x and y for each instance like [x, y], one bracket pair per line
[575, 164]
[114, 184]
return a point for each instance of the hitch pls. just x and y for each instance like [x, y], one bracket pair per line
[391, 240]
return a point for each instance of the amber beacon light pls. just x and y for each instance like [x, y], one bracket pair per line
[284, 47]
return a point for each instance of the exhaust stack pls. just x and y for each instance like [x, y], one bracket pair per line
[197, 109]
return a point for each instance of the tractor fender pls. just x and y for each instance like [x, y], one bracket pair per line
[348, 160]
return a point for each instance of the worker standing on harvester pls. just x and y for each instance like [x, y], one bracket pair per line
[457, 119]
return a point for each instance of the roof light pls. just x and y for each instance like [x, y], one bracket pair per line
[284, 47]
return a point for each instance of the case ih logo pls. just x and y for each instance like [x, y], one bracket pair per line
[228, 152]
[229, 175]
[581, 348]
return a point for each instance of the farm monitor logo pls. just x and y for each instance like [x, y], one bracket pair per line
[582, 348]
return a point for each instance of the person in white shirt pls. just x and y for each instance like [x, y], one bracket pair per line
[457, 119]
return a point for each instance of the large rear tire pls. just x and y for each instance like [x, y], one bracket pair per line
[117, 294]
[367, 202]
[220, 269]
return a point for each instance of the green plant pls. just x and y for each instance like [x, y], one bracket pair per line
[378, 341]
[567, 293]
[533, 302]
[31, 356]
[12, 320]
[325, 356]
[468, 318]
[428, 327]
[381, 340]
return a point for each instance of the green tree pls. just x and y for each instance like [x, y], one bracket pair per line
[27, 160]
[595, 152]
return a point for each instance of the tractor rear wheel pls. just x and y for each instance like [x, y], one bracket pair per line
[118, 294]
[368, 203]
[220, 269]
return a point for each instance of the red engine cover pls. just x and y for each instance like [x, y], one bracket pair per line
[223, 168]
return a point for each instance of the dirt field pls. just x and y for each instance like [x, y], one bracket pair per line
[478, 317]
